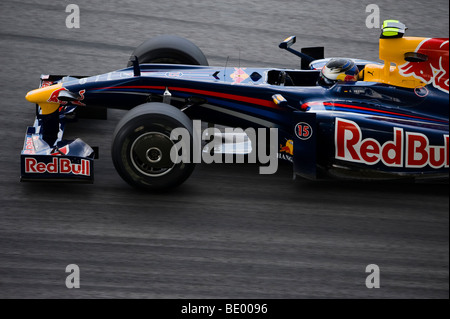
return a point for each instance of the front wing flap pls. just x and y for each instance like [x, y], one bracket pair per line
[67, 161]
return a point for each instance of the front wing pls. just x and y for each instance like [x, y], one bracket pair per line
[56, 159]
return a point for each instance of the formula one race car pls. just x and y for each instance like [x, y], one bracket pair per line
[334, 118]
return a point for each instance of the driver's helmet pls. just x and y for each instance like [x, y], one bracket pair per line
[339, 70]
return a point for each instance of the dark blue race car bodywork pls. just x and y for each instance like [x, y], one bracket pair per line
[365, 129]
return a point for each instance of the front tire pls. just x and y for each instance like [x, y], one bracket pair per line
[141, 147]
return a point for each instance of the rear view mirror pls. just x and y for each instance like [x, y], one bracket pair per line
[287, 42]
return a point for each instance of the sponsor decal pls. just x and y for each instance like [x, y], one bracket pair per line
[435, 68]
[58, 166]
[106, 77]
[421, 91]
[46, 83]
[287, 151]
[29, 146]
[303, 130]
[33, 144]
[286, 157]
[406, 149]
[174, 74]
[288, 148]
[54, 97]
[239, 75]
[61, 151]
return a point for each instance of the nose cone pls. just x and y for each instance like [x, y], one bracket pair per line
[33, 96]
[46, 97]
[44, 94]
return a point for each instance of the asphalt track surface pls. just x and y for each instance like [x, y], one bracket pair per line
[228, 232]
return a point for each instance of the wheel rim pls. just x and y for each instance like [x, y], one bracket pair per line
[150, 154]
[153, 155]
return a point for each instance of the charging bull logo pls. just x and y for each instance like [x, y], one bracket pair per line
[55, 94]
[54, 97]
[288, 147]
[407, 149]
[435, 69]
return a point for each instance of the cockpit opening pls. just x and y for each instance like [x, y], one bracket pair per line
[293, 78]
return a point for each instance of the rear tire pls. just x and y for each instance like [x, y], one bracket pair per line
[169, 49]
[141, 147]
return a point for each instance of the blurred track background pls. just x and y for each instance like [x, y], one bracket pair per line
[227, 232]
